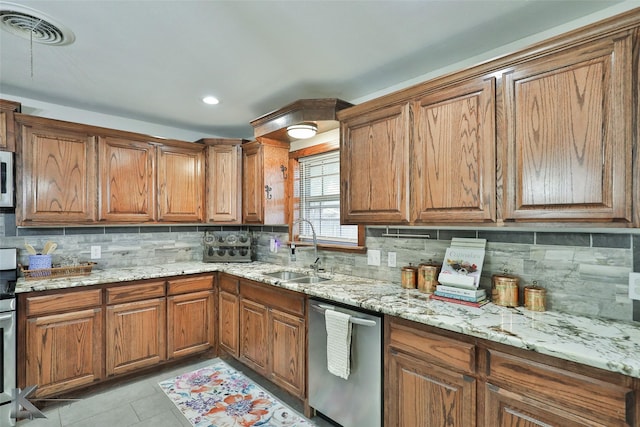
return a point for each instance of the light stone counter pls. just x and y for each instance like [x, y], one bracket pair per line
[605, 344]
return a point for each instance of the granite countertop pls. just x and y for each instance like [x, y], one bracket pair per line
[602, 343]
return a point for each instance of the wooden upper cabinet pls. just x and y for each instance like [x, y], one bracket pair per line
[568, 134]
[374, 167]
[224, 180]
[264, 192]
[127, 180]
[180, 183]
[56, 172]
[7, 128]
[453, 154]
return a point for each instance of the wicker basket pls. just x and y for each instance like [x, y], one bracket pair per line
[56, 272]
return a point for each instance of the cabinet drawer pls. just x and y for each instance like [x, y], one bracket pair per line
[63, 302]
[434, 348]
[281, 299]
[563, 389]
[135, 292]
[190, 284]
[228, 283]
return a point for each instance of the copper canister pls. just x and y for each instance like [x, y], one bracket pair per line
[535, 298]
[428, 276]
[504, 291]
[409, 276]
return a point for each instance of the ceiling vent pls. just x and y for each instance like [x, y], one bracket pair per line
[33, 25]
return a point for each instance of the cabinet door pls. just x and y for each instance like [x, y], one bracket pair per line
[374, 167]
[224, 184]
[180, 184]
[506, 409]
[568, 134]
[453, 154]
[253, 335]
[288, 354]
[135, 335]
[7, 129]
[228, 322]
[58, 174]
[253, 191]
[127, 180]
[64, 351]
[190, 323]
[422, 394]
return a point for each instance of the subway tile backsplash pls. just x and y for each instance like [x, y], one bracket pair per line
[584, 273]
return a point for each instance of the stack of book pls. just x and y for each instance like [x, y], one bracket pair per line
[459, 277]
[471, 297]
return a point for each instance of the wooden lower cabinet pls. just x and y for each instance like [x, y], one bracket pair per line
[436, 377]
[70, 339]
[253, 335]
[423, 394]
[229, 314]
[190, 315]
[136, 334]
[287, 333]
[64, 351]
[272, 333]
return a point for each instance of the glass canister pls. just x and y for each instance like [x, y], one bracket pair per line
[504, 290]
[535, 298]
[428, 276]
[409, 276]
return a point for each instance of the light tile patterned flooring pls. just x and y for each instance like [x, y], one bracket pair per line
[141, 402]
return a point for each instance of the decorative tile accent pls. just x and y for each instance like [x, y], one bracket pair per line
[450, 234]
[507, 236]
[121, 230]
[155, 229]
[622, 241]
[563, 239]
[40, 231]
[83, 230]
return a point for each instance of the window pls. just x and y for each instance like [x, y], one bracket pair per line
[315, 187]
[319, 192]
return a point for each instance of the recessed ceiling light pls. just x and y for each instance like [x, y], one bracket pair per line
[211, 100]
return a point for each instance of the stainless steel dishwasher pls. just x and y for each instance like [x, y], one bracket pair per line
[357, 401]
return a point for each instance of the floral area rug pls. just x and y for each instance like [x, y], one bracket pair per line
[220, 396]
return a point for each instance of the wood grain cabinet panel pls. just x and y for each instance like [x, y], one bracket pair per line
[254, 335]
[136, 334]
[190, 323]
[374, 167]
[57, 172]
[224, 180]
[287, 337]
[7, 126]
[180, 183]
[127, 180]
[453, 154]
[229, 314]
[64, 351]
[264, 193]
[422, 394]
[567, 134]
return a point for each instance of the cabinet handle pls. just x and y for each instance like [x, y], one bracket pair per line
[267, 190]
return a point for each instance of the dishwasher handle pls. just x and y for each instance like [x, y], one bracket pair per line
[355, 320]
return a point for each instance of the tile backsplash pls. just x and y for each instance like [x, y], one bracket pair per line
[584, 273]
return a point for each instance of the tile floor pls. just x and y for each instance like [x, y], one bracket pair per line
[141, 402]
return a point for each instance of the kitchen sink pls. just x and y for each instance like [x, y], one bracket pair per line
[287, 275]
[309, 279]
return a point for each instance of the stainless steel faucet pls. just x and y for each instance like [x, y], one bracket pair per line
[316, 264]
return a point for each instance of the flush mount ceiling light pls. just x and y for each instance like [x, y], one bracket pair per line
[211, 100]
[302, 131]
[33, 25]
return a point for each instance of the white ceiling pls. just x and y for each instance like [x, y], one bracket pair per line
[154, 60]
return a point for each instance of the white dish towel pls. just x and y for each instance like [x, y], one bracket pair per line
[338, 343]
